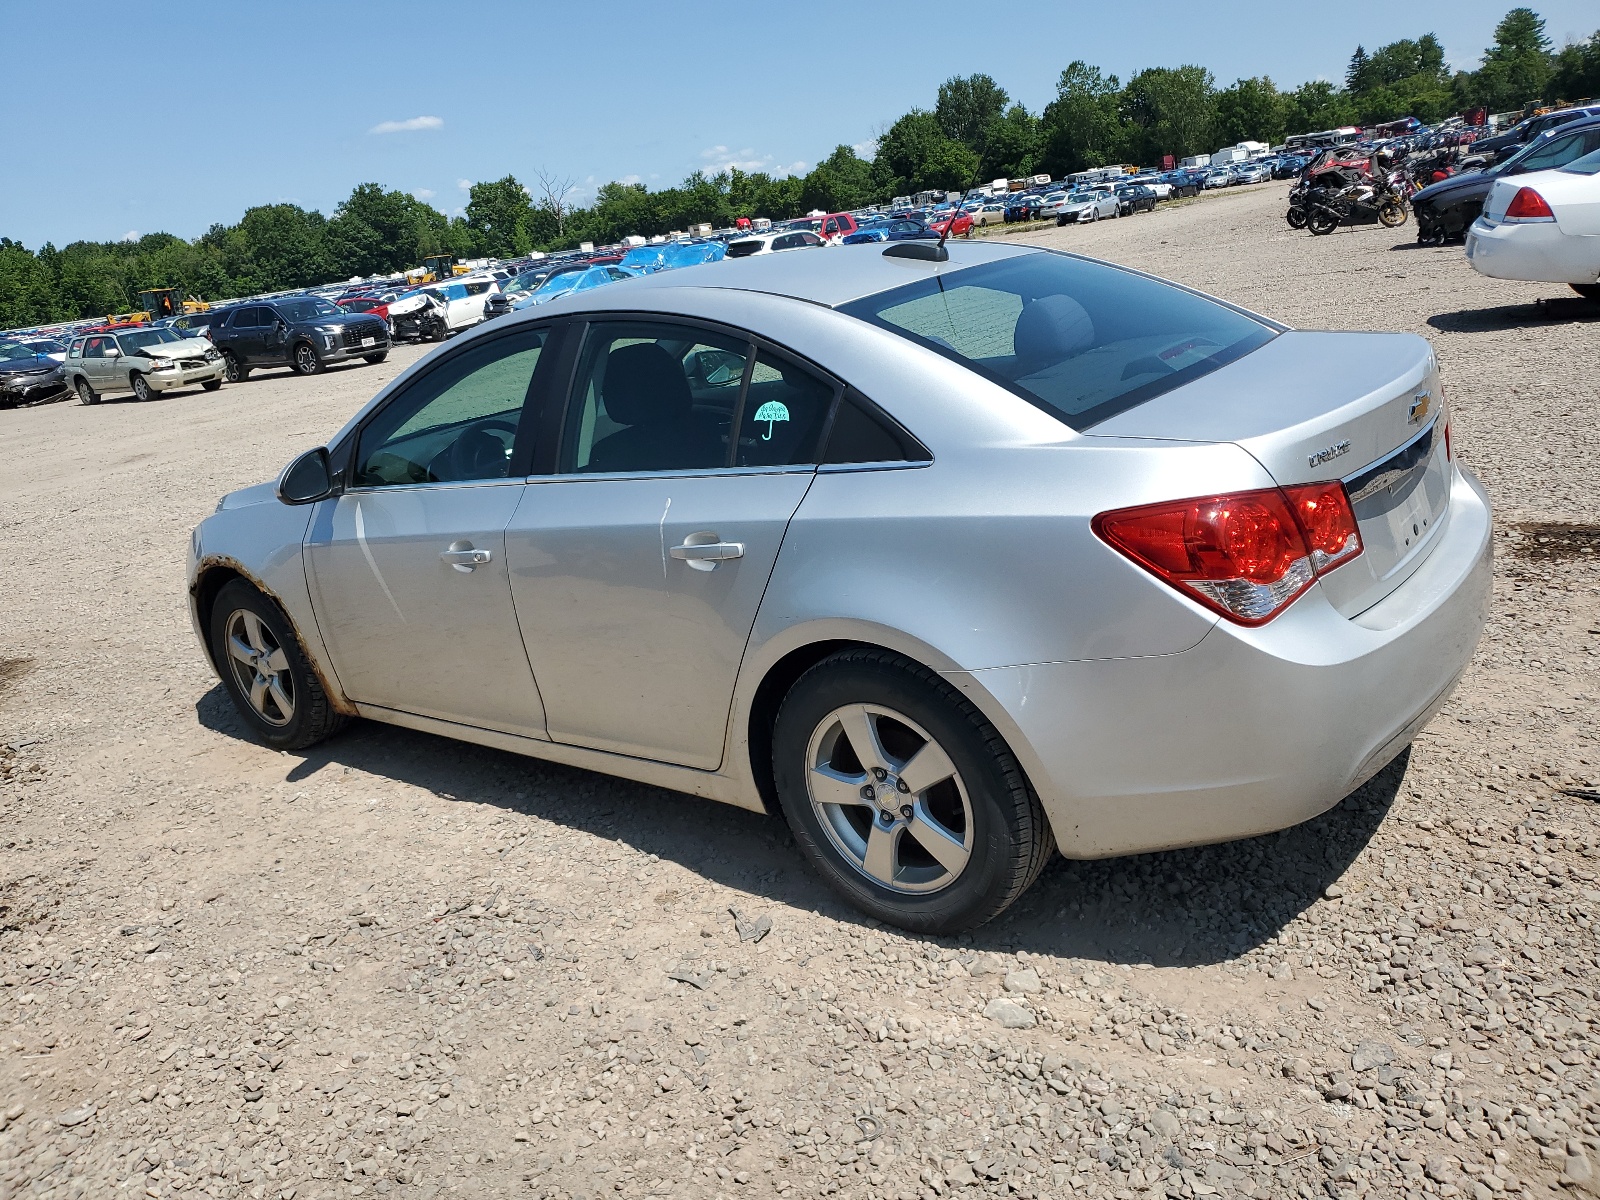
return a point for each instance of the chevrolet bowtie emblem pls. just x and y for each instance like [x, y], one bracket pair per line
[1421, 404]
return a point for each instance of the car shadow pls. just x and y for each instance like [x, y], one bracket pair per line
[1516, 316]
[1176, 908]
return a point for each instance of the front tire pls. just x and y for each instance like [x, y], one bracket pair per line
[266, 673]
[142, 390]
[1321, 222]
[1589, 291]
[375, 359]
[1392, 214]
[950, 835]
[211, 385]
[1296, 216]
[86, 394]
[306, 360]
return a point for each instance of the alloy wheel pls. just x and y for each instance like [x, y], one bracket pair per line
[889, 798]
[260, 667]
[230, 367]
[306, 360]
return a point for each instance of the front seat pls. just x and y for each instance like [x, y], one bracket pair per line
[645, 390]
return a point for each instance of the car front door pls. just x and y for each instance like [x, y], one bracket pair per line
[94, 360]
[408, 565]
[274, 337]
[639, 563]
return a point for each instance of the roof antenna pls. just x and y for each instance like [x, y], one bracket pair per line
[937, 251]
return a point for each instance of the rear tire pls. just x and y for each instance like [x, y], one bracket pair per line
[306, 360]
[975, 806]
[141, 387]
[86, 394]
[258, 655]
[233, 370]
[1589, 291]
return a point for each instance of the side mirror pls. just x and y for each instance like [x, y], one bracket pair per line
[307, 479]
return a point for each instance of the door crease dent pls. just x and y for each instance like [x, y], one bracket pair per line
[366, 552]
[661, 528]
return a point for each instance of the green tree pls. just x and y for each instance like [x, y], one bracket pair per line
[1250, 110]
[499, 217]
[1168, 110]
[1080, 128]
[1317, 105]
[1014, 149]
[1515, 69]
[967, 108]
[915, 154]
[839, 182]
[1358, 75]
[1576, 73]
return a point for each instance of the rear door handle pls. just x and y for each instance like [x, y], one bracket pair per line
[703, 552]
[464, 558]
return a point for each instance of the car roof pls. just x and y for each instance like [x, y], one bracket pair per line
[832, 277]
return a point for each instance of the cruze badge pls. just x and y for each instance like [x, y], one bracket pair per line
[1420, 404]
[1328, 453]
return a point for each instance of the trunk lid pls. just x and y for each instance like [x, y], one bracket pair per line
[1362, 407]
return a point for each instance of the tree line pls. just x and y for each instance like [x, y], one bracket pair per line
[974, 130]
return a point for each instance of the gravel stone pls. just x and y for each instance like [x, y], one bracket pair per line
[1008, 1014]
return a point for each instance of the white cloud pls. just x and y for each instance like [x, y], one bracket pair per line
[867, 149]
[720, 158]
[422, 193]
[131, 236]
[464, 184]
[408, 125]
[630, 180]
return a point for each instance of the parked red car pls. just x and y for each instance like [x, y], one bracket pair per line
[365, 304]
[833, 228]
[961, 227]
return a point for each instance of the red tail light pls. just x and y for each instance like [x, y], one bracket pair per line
[1247, 555]
[1528, 205]
[1448, 455]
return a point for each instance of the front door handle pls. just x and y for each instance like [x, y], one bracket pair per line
[464, 558]
[703, 551]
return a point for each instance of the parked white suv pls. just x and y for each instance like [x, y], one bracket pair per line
[145, 362]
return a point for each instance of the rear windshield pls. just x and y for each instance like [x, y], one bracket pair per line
[1082, 340]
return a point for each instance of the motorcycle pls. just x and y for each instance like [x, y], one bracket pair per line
[1296, 216]
[1356, 204]
[419, 317]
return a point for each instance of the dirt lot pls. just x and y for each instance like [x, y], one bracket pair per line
[404, 966]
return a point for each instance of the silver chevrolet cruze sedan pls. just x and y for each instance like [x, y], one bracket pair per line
[955, 559]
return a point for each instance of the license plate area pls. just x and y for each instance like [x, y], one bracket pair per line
[1400, 501]
[368, 341]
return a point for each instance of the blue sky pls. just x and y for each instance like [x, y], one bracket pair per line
[175, 117]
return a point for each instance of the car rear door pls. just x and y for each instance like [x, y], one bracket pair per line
[639, 561]
[408, 567]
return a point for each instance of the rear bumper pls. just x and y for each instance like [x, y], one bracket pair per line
[1536, 251]
[1252, 730]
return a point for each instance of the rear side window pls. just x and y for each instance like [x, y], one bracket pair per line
[785, 408]
[861, 433]
[1081, 340]
[245, 318]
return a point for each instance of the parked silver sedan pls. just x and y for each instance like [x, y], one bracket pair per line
[953, 560]
[1085, 206]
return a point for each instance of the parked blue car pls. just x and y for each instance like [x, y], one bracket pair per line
[576, 281]
[891, 231]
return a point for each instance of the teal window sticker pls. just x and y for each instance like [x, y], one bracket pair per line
[771, 412]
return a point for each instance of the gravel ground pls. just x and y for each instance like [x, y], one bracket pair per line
[404, 966]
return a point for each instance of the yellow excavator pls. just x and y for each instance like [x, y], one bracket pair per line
[160, 303]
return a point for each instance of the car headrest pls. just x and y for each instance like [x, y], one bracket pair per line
[1050, 329]
[644, 386]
